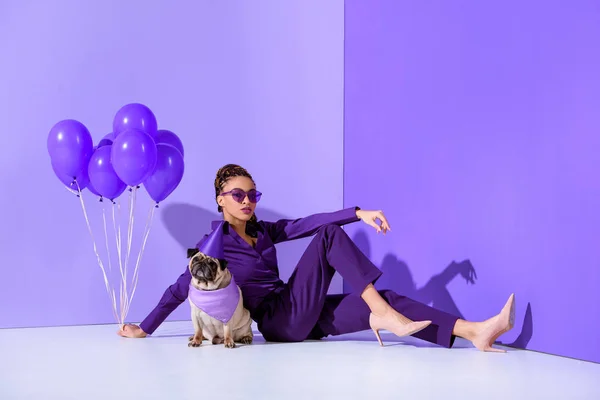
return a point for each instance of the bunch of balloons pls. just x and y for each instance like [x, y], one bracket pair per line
[135, 153]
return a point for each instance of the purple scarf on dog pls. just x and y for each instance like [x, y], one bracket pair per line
[219, 304]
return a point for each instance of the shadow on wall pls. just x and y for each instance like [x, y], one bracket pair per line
[397, 277]
[188, 223]
[526, 334]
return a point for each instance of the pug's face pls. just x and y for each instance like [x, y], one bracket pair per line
[208, 273]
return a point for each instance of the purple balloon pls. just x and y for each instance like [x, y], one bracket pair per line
[103, 176]
[70, 146]
[106, 140]
[133, 156]
[168, 137]
[83, 181]
[167, 174]
[135, 116]
[92, 189]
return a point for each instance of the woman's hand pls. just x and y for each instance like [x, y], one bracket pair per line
[131, 331]
[371, 217]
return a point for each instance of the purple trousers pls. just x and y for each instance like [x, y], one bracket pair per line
[302, 309]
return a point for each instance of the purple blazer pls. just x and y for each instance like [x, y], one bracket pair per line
[255, 269]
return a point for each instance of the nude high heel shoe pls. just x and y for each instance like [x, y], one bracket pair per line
[395, 326]
[497, 326]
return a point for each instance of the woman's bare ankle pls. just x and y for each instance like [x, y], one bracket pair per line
[376, 303]
[466, 329]
[379, 307]
[382, 311]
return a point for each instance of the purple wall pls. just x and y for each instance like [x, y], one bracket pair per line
[241, 84]
[476, 128]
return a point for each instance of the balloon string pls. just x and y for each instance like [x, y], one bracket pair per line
[126, 261]
[147, 229]
[87, 221]
[124, 274]
[109, 261]
[71, 191]
[132, 203]
[130, 239]
[119, 242]
[106, 238]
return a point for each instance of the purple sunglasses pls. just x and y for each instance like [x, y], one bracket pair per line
[239, 195]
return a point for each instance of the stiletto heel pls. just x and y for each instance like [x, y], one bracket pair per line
[376, 331]
[395, 326]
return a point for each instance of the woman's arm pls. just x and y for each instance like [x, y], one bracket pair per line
[171, 299]
[288, 229]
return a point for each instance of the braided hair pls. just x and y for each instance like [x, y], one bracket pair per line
[225, 173]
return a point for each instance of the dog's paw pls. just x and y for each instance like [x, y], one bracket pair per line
[194, 342]
[229, 343]
[246, 340]
[217, 340]
[190, 338]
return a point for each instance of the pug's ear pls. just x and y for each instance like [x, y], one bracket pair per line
[222, 263]
[192, 252]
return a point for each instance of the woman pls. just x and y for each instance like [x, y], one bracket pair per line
[301, 308]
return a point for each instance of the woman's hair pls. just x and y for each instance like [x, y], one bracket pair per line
[225, 173]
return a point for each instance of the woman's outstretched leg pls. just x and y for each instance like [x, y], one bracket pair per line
[347, 313]
[293, 313]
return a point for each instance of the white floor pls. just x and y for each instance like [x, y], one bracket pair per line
[92, 362]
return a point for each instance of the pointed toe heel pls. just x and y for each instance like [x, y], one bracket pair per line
[396, 327]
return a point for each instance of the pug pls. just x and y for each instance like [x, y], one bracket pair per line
[217, 308]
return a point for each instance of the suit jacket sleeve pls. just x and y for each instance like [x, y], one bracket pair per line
[288, 229]
[171, 299]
